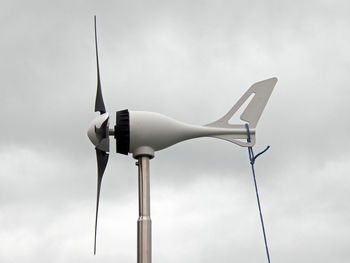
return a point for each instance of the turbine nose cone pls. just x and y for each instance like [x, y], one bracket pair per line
[98, 132]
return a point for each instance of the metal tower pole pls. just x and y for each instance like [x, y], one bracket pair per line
[144, 223]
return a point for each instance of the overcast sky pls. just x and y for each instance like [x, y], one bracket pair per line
[190, 60]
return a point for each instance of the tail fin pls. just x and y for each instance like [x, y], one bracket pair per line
[262, 91]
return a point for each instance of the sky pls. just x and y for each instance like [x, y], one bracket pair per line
[190, 60]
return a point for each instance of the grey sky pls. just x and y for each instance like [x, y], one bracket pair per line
[190, 60]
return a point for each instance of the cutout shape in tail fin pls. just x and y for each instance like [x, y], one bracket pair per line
[262, 91]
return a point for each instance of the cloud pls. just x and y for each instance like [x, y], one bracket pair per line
[190, 61]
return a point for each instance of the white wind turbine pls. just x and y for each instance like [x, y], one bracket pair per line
[143, 133]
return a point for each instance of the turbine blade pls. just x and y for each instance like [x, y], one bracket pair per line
[99, 104]
[102, 159]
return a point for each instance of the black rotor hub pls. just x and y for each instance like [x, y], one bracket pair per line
[122, 132]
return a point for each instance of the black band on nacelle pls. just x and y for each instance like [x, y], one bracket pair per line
[122, 132]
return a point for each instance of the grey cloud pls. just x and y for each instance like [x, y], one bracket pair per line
[190, 61]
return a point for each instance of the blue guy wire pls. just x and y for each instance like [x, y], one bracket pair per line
[252, 159]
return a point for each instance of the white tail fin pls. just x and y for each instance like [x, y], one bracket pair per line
[261, 93]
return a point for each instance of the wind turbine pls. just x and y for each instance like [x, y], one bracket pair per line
[143, 133]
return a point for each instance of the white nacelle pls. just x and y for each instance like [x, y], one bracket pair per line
[150, 132]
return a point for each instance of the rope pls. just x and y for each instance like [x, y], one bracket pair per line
[252, 159]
